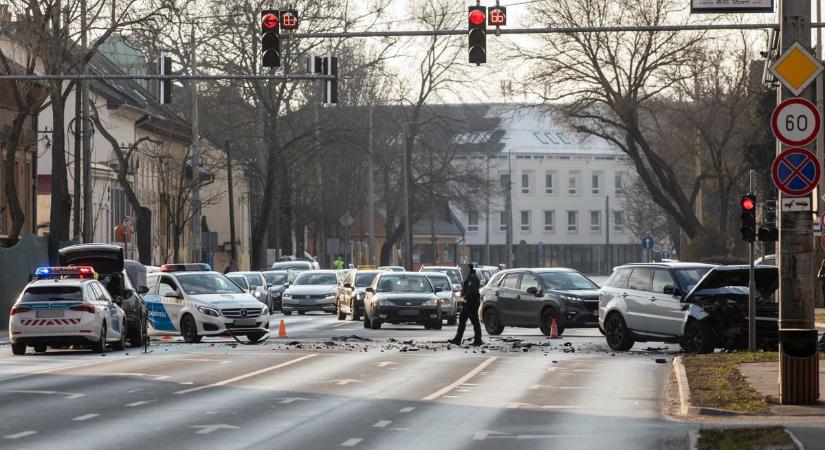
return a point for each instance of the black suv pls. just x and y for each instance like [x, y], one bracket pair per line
[535, 297]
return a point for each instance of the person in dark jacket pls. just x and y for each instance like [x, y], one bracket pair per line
[472, 300]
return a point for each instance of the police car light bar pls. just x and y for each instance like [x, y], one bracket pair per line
[78, 271]
[199, 267]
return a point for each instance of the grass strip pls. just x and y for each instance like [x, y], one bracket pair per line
[715, 381]
[763, 438]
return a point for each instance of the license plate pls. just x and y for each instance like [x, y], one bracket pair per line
[244, 322]
[321, 301]
[408, 312]
[49, 313]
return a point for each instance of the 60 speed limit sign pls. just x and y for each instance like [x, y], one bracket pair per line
[795, 122]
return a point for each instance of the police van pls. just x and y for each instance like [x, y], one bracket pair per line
[66, 306]
[193, 301]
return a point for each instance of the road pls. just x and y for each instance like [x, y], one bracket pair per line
[405, 388]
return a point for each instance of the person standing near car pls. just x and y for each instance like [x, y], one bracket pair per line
[472, 298]
[338, 263]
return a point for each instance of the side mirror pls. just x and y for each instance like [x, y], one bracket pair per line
[370, 290]
[142, 290]
[286, 285]
[532, 290]
[173, 294]
[671, 290]
[118, 300]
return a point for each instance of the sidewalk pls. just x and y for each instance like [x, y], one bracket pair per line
[764, 378]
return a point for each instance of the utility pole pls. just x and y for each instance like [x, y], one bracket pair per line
[751, 273]
[232, 246]
[322, 226]
[798, 363]
[196, 173]
[433, 240]
[371, 187]
[88, 219]
[487, 218]
[405, 161]
[508, 208]
[78, 171]
[607, 234]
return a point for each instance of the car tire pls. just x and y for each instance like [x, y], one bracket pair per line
[367, 323]
[120, 345]
[138, 338]
[619, 337]
[100, 345]
[189, 330]
[40, 349]
[492, 323]
[353, 311]
[341, 315]
[698, 337]
[546, 322]
[18, 349]
[286, 313]
[301, 313]
[375, 323]
[255, 337]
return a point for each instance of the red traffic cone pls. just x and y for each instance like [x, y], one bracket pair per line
[554, 330]
[282, 329]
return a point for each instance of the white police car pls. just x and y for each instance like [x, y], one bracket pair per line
[192, 301]
[66, 306]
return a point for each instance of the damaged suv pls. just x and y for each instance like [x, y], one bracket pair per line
[699, 306]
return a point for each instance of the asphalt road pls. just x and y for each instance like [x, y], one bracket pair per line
[404, 388]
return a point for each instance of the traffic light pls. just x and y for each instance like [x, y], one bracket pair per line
[748, 204]
[164, 85]
[330, 66]
[477, 23]
[768, 231]
[289, 20]
[270, 40]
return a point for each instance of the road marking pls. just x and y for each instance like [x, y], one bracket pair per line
[248, 375]
[490, 434]
[68, 395]
[85, 417]
[138, 403]
[57, 369]
[351, 442]
[20, 435]
[461, 380]
[382, 423]
[387, 363]
[206, 429]
[344, 382]
[137, 374]
[407, 409]
[286, 401]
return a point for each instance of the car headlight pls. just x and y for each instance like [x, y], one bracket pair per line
[329, 297]
[383, 302]
[571, 298]
[287, 297]
[265, 311]
[431, 302]
[360, 295]
[209, 311]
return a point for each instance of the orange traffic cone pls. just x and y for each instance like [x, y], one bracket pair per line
[282, 329]
[554, 330]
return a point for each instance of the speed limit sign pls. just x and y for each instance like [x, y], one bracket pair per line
[795, 122]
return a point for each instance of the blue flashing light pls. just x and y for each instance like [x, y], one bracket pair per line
[43, 271]
[206, 267]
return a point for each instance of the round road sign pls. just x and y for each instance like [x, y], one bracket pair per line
[822, 222]
[795, 172]
[822, 242]
[795, 122]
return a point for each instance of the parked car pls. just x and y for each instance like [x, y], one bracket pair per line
[392, 268]
[293, 265]
[311, 291]
[449, 298]
[255, 285]
[109, 264]
[351, 293]
[699, 306]
[536, 297]
[450, 271]
[239, 280]
[277, 281]
[406, 297]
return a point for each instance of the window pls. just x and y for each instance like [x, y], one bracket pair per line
[572, 221]
[540, 138]
[618, 221]
[595, 183]
[549, 221]
[528, 281]
[639, 280]
[595, 221]
[572, 183]
[550, 138]
[510, 281]
[619, 183]
[166, 286]
[525, 220]
[548, 183]
[619, 279]
[661, 278]
[525, 183]
[472, 221]
[504, 179]
[503, 221]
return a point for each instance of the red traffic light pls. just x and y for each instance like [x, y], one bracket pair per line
[747, 203]
[289, 20]
[269, 21]
[477, 17]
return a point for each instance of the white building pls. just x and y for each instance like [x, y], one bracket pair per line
[567, 197]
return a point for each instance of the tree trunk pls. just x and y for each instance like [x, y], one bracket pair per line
[61, 201]
[176, 245]
[18, 216]
[143, 226]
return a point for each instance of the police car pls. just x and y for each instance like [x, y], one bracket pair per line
[66, 306]
[192, 301]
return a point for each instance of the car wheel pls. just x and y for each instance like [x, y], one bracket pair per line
[367, 320]
[619, 337]
[301, 313]
[492, 323]
[287, 313]
[137, 338]
[256, 337]
[698, 337]
[120, 345]
[436, 324]
[40, 349]
[18, 349]
[353, 311]
[100, 345]
[189, 330]
[546, 322]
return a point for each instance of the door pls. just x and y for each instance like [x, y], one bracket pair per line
[506, 298]
[164, 314]
[666, 315]
[528, 306]
[637, 298]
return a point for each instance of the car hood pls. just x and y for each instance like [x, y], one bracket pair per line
[318, 289]
[585, 294]
[104, 258]
[227, 300]
[404, 296]
[733, 281]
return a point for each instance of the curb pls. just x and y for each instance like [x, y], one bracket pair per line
[685, 407]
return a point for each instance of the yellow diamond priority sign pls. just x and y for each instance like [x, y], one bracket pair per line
[796, 68]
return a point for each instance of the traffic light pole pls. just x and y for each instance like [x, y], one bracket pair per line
[751, 282]
[196, 207]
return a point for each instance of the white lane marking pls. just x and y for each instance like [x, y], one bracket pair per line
[206, 429]
[22, 434]
[461, 380]
[138, 375]
[407, 409]
[387, 363]
[85, 417]
[186, 382]
[343, 382]
[68, 395]
[490, 434]
[382, 423]
[286, 401]
[138, 403]
[219, 361]
[351, 442]
[248, 375]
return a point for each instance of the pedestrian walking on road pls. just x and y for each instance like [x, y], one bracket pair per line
[472, 300]
[339, 262]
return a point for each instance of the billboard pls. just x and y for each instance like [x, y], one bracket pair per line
[737, 6]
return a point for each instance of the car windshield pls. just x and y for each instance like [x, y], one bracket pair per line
[52, 294]
[566, 281]
[404, 283]
[454, 274]
[314, 278]
[254, 280]
[292, 265]
[440, 283]
[364, 279]
[239, 280]
[207, 283]
[688, 278]
[274, 278]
